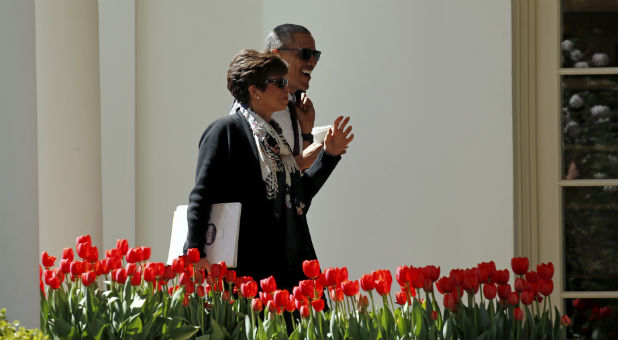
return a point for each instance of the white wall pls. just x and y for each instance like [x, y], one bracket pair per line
[19, 244]
[428, 179]
[183, 51]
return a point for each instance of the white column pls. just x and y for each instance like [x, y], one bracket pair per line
[117, 81]
[19, 219]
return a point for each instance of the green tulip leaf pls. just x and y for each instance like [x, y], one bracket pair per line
[137, 304]
[182, 333]
[447, 330]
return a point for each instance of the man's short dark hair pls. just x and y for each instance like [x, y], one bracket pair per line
[283, 35]
[251, 67]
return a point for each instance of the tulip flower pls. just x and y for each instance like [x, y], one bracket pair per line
[546, 271]
[350, 288]
[230, 276]
[532, 276]
[513, 299]
[434, 315]
[146, 251]
[417, 279]
[431, 272]
[67, 254]
[83, 239]
[150, 274]
[201, 291]
[268, 285]
[88, 278]
[332, 276]
[304, 312]
[249, 289]
[76, 268]
[520, 284]
[456, 276]
[123, 246]
[119, 275]
[546, 287]
[470, 282]
[185, 300]
[318, 305]
[518, 314]
[47, 260]
[193, 255]
[501, 277]
[565, 321]
[131, 269]
[401, 298]
[527, 297]
[281, 298]
[290, 306]
[445, 285]
[336, 294]
[367, 283]
[178, 265]
[520, 265]
[382, 287]
[136, 280]
[311, 268]
[403, 275]
[134, 255]
[307, 288]
[450, 302]
[489, 290]
[184, 279]
[503, 291]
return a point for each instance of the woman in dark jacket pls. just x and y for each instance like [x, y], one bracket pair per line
[244, 158]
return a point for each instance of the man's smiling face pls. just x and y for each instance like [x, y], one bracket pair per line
[299, 72]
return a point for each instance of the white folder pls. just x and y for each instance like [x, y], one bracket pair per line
[221, 234]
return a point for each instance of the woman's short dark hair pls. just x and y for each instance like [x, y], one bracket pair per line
[251, 67]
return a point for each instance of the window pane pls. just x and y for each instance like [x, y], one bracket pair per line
[590, 127]
[592, 318]
[591, 238]
[589, 33]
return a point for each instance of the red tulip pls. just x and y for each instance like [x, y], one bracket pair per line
[146, 251]
[150, 274]
[336, 294]
[318, 305]
[520, 284]
[403, 275]
[93, 254]
[249, 289]
[485, 270]
[216, 271]
[304, 312]
[546, 287]
[83, 239]
[565, 321]
[281, 298]
[532, 276]
[434, 315]
[119, 275]
[456, 276]
[76, 268]
[184, 279]
[201, 291]
[449, 302]
[290, 306]
[546, 271]
[190, 288]
[67, 254]
[527, 297]
[134, 255]
[367, 282]
[342, 274]
[363, 302]
[272, 307]
[470, 282]
[513, 299]
[401, 298]
[504, 290]
[302, 302]
[518, 314]
[136, 280]
[417, 279]
[88, 278]
[520, 265]
[65, 266]
[332, 276]
[384, 275]
[445, 285]
[382, 287]
[193, 255]
[501, 277]
[311, 268]
[178, 265]
[55, 283]
[131, 269]
[47, 260]
[350, 288]
[185, 300]
[307, 288]
[489, 290]
[230, 276]
[269, 285]
[431, 272]
[123, 246]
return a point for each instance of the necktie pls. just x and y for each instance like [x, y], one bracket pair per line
[294, 119]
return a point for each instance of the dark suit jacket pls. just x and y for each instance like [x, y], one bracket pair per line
[228, 170]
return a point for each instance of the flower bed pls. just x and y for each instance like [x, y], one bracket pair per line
[124, 296]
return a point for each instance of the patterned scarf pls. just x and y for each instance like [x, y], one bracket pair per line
[275, 156]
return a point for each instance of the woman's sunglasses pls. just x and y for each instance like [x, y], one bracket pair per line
[280, 82]
[305, 53]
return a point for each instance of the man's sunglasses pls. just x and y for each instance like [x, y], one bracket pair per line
[280, 82]
[305, 53]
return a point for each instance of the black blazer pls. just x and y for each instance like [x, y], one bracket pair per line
[228, 170]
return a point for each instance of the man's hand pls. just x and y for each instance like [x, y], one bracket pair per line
[338, 137]
[305, 113]
[308, 156]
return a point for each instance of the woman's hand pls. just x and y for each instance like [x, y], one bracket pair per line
[338, 137]
[202, 264]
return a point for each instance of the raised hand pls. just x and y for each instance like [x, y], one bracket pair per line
[305, 113]
[338, 137]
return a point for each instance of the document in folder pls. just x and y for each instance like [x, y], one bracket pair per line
[221, 233]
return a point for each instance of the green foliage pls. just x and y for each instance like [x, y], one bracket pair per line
[14, 331]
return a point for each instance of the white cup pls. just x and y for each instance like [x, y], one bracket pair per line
[319, 133]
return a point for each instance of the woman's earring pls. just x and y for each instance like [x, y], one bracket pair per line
[258, 97]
